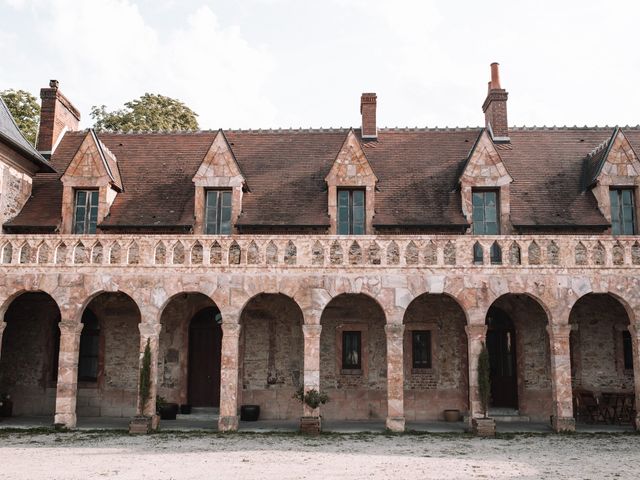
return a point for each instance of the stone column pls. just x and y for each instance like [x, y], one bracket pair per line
[476, 336]
[311, 364]
[228, 420]
[67, 388]
[634, 330]
[3, 325]
[395, 377]
[562, 418]
[149, 332]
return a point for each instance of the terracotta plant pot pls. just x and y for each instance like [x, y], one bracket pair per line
[452, 415]
[249, 413]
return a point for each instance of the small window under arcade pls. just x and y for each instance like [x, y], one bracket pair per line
[85, 212]
[351, 212]
[421, 346]
[485, 212]
[622, 211]
[218, 212]
[351, 350]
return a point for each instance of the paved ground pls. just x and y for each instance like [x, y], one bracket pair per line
[283, 456]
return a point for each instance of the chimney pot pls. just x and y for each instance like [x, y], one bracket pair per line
[495, 75]
[54, 83]
[368, 104]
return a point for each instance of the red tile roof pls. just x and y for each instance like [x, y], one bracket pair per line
[285, 170]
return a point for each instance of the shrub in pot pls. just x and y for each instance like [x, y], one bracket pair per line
[313, 399]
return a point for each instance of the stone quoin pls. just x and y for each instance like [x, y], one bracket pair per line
[367, 263]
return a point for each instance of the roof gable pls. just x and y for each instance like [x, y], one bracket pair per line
[484, 166]
[219, 166]
[351, 167]
[613, 161]
[93, 165]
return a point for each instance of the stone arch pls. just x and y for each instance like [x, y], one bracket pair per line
[31, 346]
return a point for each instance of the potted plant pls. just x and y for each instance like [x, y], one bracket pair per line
[166, 410]
[313, 399]
[485, 426]
[6, 405]
[142, 423]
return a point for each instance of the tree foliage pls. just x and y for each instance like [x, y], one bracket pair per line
[484, 379]
[148, 113]
[25, 110]
[145, 377]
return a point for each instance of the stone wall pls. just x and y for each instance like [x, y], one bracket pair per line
[28, 366]
[429, 392]
[271, 356]
[354, 396]
[15, 189]
[596, 343]
[115, 392]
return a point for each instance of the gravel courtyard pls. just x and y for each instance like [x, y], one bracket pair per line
[287, 456]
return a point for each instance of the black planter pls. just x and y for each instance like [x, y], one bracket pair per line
[6, 408]
[185, 409]
[169, 411]
[249, 413]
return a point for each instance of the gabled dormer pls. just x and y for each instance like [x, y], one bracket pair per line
[219, 186]
[484, 186]
[91, 183]
[351, 188]
[613, 175]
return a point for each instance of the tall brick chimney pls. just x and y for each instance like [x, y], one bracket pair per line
[368, 103]
[57, 116]
[495, 107]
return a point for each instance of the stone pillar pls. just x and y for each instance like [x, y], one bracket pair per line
[67, 388]
[228, 420]
[149, 332]
[395, 377]
[311, 364]
[476, 336]
[3, 325]
[634, 330]
[562, 418]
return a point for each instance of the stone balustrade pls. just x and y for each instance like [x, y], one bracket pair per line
[322, 251]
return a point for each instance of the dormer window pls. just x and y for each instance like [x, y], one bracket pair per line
[218, 212]
[622, 211]
[485, 212]
[85, 212]
[351, 212]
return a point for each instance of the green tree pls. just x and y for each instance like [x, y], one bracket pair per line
[148, 113]
[25, 111]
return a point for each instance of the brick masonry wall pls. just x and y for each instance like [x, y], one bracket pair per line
[28, 362]
[354, 396]
[596, 344]
[428, 393]
[271, 352]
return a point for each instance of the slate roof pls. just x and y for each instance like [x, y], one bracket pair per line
[11, 134]
[418, 172]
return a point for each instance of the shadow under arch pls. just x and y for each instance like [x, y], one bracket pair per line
[436, 367]
[29, 352]
[353, 358]
[271, 366]
[520, 357]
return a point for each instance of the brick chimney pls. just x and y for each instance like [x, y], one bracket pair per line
[495, 107]
[57, 115]
[368, 103]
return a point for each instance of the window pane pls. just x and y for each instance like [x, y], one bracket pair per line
[225, 213]
[358, 198]
[491, 228]
[627, 348]
[490, 199]
[485, 213]
[421, 349]
[211, 213]
[627, 197]
[478, 199]
[351, 350]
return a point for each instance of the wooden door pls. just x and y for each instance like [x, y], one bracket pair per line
[501, 344]
[205, 345]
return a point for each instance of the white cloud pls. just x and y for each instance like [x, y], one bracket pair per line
[104, 52]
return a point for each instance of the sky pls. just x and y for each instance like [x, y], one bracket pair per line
[287, 63]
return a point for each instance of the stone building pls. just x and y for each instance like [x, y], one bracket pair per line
[369, 263]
